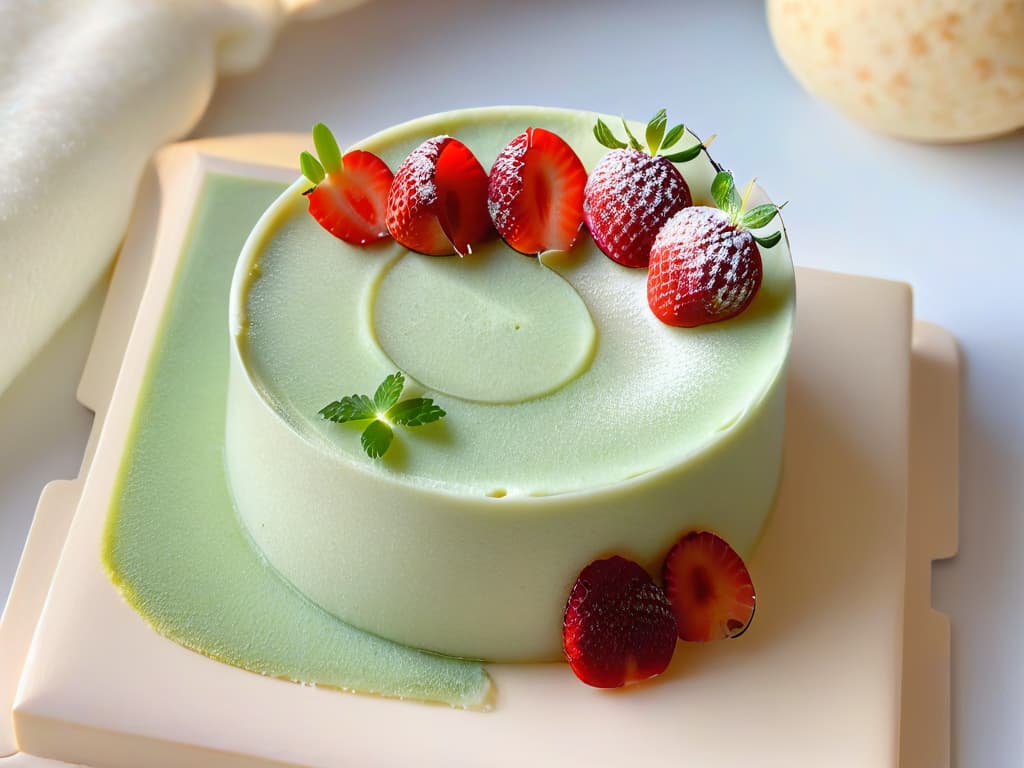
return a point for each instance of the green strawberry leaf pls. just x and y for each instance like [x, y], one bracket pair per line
[673, 136]
[311, 168]
[656, 130]
[605, 137]
[760, 216]
[376, 439]
[388, 392]
[632, 139]
[768, 242]
[686, 155]
[352, 408]
[327, 148]
[415, 412]
[723, 190]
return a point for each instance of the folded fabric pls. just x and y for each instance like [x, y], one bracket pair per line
[88, 91]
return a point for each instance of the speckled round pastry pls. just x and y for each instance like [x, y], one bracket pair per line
[578, 425]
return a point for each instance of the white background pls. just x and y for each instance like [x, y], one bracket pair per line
[945, 218]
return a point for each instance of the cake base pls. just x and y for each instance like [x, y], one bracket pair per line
[846, 663]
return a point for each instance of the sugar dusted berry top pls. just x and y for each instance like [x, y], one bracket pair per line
[631, 193]
[702, 269]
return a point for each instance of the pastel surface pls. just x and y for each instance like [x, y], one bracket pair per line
[173, 543]
[579, 425]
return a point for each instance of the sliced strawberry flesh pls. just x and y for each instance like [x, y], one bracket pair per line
[462, 186]
[709, 587]
[535, 194]
[369, 181]
[351, 202]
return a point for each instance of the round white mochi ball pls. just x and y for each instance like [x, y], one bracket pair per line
[928, 70]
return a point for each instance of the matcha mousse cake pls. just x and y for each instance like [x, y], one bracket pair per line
[534, 345]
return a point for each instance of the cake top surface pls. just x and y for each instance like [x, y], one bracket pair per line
[553, 372]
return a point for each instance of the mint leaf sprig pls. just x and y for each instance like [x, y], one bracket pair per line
[383, 411]
[723, 190]
[658, 137]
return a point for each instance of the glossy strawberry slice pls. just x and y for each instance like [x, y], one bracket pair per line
[619, 627]
[350, 195]
[535, 194]
[351, 203]
[709, 588]
[437, 204]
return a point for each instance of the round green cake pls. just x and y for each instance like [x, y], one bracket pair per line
[578, 425]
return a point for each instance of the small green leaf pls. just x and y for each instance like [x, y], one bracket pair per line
[327, 148]
[760, 216]
[768, 242]
[632, 139]
[388, 392]
[382, 411]
[656, 130]
[686, 155]
[415, 412]
[352, 408]
[673, 136]
[311, 168]
[605, 137]
[376, 439]
[723, 190]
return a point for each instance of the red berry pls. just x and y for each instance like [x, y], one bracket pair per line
[703, 269]
[350, 202]
[438, 201]
[619, 627]
[535, 194]
[628, 198]
[709, 588]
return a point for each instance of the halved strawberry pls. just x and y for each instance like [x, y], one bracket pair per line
[350, 195]
[709, 588]
[619, 627]
[437, 204]
[535, 193]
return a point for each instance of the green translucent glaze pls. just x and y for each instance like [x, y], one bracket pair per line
[173, 544]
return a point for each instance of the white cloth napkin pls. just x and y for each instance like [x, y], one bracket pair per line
[89, 89]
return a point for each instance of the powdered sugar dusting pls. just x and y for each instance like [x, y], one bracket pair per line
[420, 168]
[506, 182]
[703, 268]
[412, 193]
[629, 197]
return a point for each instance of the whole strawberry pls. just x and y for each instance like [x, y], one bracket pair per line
[705, 265]
[619, 626]
[631, 193]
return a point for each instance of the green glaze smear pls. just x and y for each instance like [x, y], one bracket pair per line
[173, 545]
